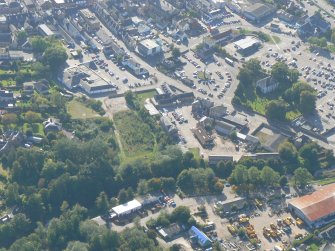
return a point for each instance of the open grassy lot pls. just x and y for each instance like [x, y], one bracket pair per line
[37, 129]
[80, 111]
[145, 95]
[136, 137]
[258, 102]
[196, 152]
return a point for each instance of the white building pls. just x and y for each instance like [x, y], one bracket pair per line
[267, 85]
[126, 208]
[148, 47]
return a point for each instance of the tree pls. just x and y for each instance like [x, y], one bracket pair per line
[123, 196]
[9, 118]
[283, 181]
[288, 152]
[307, 102]
[131, 100]
[250, 71]
[176, 53]
[181, 214]
[223, 169]
[254, 175]
[276, 109]
[239, 175]
[102, 203]
[32, 117]
[55, 57]
[21, 37]
[39, 44]
[269, 176]
[302, 176]
[34, 208]
[280, 72]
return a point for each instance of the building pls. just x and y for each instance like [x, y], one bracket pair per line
[167, 99]
[6, 96]
[135, 68]
[224, 128]
[263, 156]
[228, 205]
[217, 112]
[313, 26]
[44, 30]
[316, 209]
[203, 137]
[267, 84]
[126, 208]
[84, 77]
[148, 47]
[247, 44]
[168, 127]
[170, 232]
[52, 125]
[258, 11]
[214, 159]
[236, 121]
[89, 21]
[69, 4]
[220, 37]
[199, 237]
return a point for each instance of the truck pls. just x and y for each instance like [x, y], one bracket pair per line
[229, 61]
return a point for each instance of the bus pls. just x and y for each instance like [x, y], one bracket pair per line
[229, 61]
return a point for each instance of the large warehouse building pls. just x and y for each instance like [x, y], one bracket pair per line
[316, 209]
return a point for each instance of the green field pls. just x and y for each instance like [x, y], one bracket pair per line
[136, 137]
[78, 110]
[275, 39]
[37, 129]
[196, 152]
[145, 95]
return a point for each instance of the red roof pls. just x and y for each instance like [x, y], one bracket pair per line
[318, 204]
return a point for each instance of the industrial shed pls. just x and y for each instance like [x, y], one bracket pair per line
[316, 209]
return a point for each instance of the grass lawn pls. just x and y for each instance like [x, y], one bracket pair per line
[275, 39]
[136, 137]
[292, 115]
[37, 129]
[196, 152]
[145, 95]
[203, 76]
[78, 110]
[8, 82]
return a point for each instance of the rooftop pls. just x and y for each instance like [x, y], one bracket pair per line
[318, 204]
[126, 207]
[246, 43]
[149, 43]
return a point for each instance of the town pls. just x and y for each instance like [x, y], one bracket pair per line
[167, 125]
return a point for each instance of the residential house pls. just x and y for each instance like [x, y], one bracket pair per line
[28, 89]
[42, 87]
[89, 21]
[171, 231]
[52, 125]
[220, 37]
[267, 84]
[6, 96]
